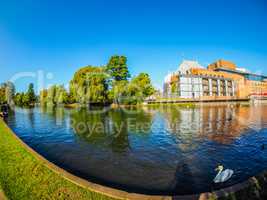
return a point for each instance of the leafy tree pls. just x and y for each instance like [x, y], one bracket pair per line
[124, 92]
[9, 92]
[117, 68]
[18, 99]
[55, 95]
[43, 96]
[25, 100]
[143, 83]
[22, 99]
[31, 94]
[2, 94]
[61, 95]
[71, 98]
[133, 92]
[118, 91]
[90, 85]
[51, 93]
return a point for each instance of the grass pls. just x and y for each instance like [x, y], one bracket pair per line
[22, 176]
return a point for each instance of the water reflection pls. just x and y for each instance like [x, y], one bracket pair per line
[164, 149]
[110, 128]
[221, 123]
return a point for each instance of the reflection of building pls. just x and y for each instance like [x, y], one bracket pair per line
[221, 123]
[221, 80]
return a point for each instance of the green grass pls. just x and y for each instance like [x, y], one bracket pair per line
[22, 176]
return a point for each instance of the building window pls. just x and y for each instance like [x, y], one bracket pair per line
[205, 85]
[222, 87]
[215, 87]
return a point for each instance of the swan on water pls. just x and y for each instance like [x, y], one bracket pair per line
[223, 175]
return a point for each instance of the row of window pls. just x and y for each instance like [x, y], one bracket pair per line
[195, 87]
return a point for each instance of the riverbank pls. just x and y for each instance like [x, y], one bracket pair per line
[22, 176]
[197, 100]
[169, 101]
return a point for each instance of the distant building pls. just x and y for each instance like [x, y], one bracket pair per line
[221, 80]
[249, 84]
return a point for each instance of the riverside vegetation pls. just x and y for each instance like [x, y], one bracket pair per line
[101, 85]
[90, 85]
[8, 95]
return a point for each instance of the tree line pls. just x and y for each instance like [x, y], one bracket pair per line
[9, 96]
[107, 84]
[101, 85]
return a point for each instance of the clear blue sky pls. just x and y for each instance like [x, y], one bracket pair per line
[156, 35]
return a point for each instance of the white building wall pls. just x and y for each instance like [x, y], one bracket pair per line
[226, 88]
[201, 87]
[191, 87]
[219, 87]
[233, 85]
[210, 87]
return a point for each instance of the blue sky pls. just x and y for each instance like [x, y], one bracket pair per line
[156, 35]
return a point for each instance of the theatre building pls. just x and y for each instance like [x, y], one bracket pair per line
[220, 80]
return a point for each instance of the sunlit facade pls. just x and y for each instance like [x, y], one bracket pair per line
[220, 80]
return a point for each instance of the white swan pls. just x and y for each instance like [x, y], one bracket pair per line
[223, 175]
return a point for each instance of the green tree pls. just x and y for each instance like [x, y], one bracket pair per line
[2, 94]
[143, 83]
[71, 98]
[31, 95]
[118, 91]
[133, 92]
[61, 95]
[9, 92]
[43, 96]
[90, 85]
[18, 99]
[51, 93]
[117, 68]
[55, 95]
[25, 100]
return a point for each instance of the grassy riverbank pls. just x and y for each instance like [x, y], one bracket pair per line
[22, 176]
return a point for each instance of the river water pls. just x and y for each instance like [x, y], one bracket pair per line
[152, 150]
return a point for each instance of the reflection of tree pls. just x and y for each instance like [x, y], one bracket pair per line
[139, 121]
[89, 125]
[119, 141]
[11, 117]
[30, 113]
[111, 128]
[55, 113]
[172, 115]
[50, 110]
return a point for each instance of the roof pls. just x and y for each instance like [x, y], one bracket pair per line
[241, 72]
[187, 65]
